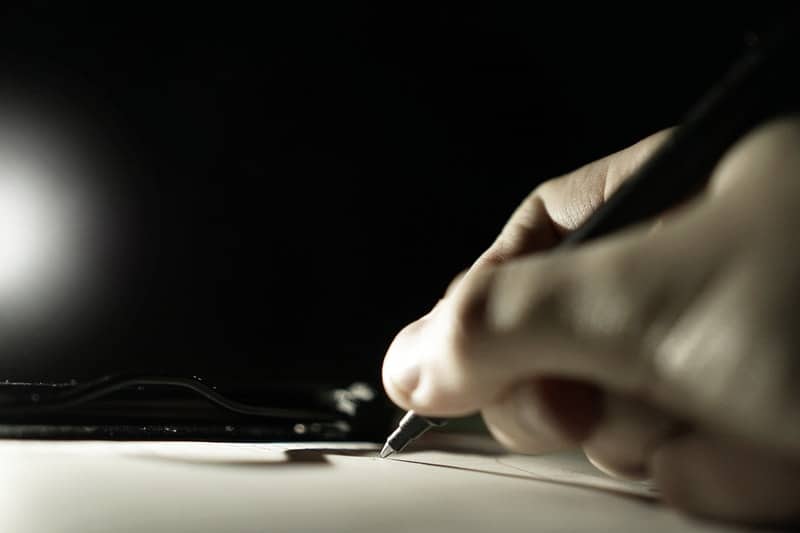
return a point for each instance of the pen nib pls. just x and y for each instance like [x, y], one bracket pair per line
[386, 451]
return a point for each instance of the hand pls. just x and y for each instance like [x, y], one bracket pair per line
[670, 350]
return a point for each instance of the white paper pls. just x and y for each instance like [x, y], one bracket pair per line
[87, 487]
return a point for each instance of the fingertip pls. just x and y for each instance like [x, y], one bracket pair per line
[401, 368]
[401, 372]
[520, 433]
[435, 365]
[417, 374]
[437, 397]
[396, 391]
[616, 468]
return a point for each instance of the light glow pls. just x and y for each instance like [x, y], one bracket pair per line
[44, 225]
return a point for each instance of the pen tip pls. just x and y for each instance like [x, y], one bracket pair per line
[386, 451]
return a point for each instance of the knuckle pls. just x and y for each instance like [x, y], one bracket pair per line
[528, 229]
[522, 295]
[572, 198]
[467, 311]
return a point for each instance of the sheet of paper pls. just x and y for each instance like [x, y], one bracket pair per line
[174, 487]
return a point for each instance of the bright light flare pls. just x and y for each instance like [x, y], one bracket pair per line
[38, 225]
[47, 226]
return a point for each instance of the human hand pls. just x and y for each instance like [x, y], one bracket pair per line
[669, 350]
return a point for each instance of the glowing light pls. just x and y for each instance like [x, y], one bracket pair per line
[40, 228]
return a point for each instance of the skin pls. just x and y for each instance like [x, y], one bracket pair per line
[667, 351]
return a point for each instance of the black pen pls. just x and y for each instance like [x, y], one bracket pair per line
[751, 92]
[410, 427]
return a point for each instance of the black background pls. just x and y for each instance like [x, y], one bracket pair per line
[302, 180]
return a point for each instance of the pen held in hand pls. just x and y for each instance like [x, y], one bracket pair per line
[748, 95]
[411, 427]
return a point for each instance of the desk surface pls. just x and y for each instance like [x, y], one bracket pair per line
[89, 487]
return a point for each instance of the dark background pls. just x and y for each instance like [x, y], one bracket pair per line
[299, 181]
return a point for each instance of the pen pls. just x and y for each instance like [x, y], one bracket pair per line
[681, 166]
[410, 427]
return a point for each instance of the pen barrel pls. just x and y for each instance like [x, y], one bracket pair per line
[756, 88]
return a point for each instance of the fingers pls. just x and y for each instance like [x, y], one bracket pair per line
[618, 433]
[725, 480]
[628, 314]
[544, 415]
[623, 441]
